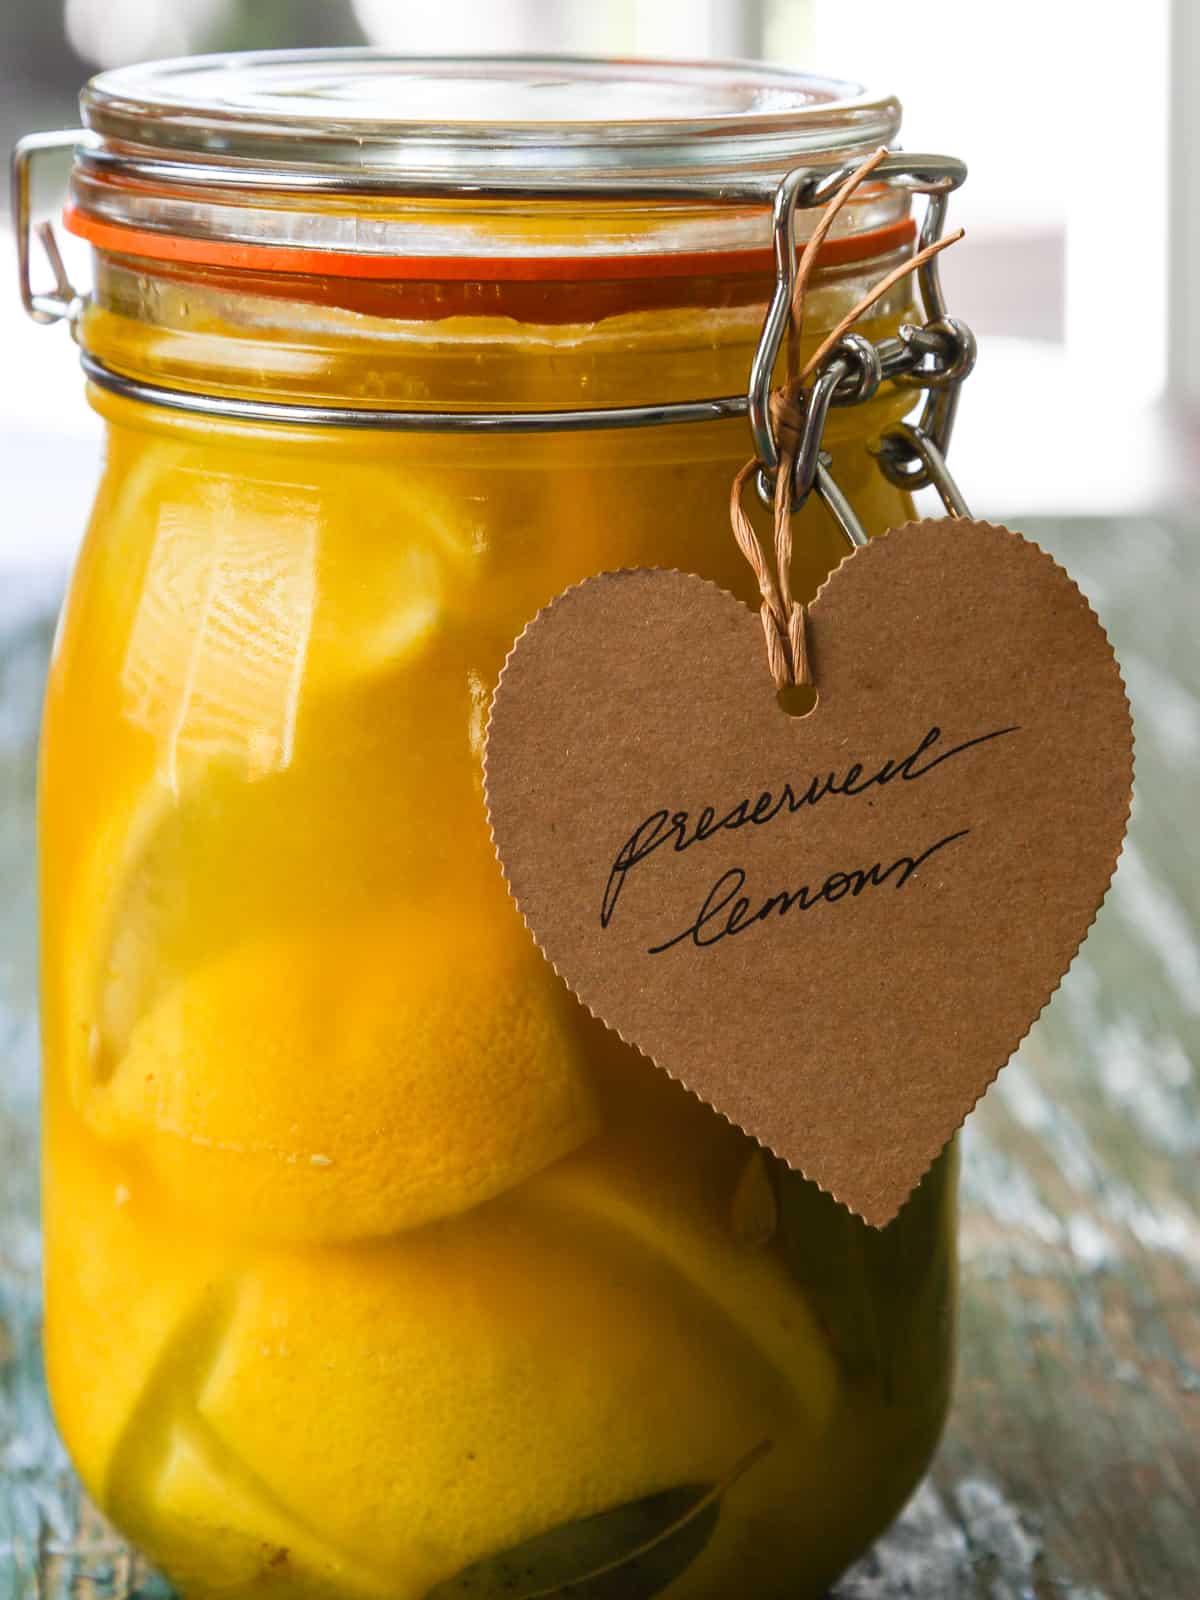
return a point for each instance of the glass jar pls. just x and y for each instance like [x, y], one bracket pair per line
[374, 1266]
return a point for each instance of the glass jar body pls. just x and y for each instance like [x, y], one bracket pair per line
[374, 1265]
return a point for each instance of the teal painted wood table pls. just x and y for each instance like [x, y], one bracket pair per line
[1071, 1465]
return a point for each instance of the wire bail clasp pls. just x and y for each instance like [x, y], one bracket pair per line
[849, 368]
[63, 302]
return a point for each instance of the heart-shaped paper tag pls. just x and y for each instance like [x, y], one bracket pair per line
[835, 929]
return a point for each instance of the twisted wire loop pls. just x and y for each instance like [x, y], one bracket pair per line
[784, 619]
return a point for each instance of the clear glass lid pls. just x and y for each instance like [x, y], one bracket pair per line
[488, 118]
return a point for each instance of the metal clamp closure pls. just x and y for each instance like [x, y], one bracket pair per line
[806, 187]
[911, 456]
[63, 302]
[936, 356]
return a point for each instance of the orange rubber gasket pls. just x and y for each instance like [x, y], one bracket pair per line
[153, 246]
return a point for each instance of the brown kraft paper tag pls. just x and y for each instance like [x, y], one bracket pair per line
[836, 928]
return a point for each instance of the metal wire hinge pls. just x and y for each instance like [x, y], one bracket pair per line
[935, 356]
[63, 302]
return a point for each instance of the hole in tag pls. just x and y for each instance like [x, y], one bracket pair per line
[798, 699]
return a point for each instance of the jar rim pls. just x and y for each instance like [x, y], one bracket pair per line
[471, 120]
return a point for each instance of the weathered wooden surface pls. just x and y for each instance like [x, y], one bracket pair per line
[1071, 1467]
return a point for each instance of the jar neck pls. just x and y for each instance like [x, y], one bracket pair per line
[423, 344]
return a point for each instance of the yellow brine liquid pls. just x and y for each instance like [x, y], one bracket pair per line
[375, 1266]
